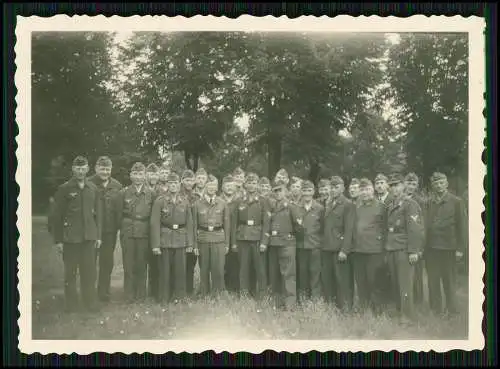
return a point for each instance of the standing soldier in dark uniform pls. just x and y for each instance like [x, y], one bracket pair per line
[354, 190]
[133, 210]
[201, 181]
[285, 223]
[336, 269]
[171, 233]
[411, 188]
[282, 176]
[382, 189]
[309, 247]
[405, 238]
[187, 185]
[445, 243]
[264, 187]
[109, 189]
[213, 230]
[77, 222]
[249, 227]
[162, 186]
[152, 180]
[295, 190]
[369, 240]
[239, 181]
[231, 265]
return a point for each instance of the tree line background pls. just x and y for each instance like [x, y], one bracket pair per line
[316, 104]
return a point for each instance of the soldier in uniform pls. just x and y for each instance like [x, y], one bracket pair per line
[171, 234]
[187, 192]
[162, 186]
[324, 191]
[249, 237]
[153, 274]
[295, 192]
[368, 247]
[264, 187]
[405, 239]
[382, 188]
[133, 211]
[445, 243]
[336, 269]
[354, 190]
[77, 228]
[411, 187]
[309, 246]
[285, 223]
[213, 228]
[152, 176]
[239, 181]
[201, 181]
[231, 265]
[109, 189]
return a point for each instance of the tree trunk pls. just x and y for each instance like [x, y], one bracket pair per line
[274, 154]
[314, 170]
[187, 157]
[196, 161]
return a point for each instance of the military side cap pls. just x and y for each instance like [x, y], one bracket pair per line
[264, 181]
[252, 177]
[307, 185]
[80, 161]
[324, 183]
[437, 176]
[188, 173]
[228, 179]
[173, 177]
[411, 177]
[295, 179]
[356, 181]
[211, 178]
[165, 166]
[395, 178]
[365, 182]
[201, 172]
[278, 184]
[282, 172]
[336, 180]
[104, 161]
[138, 167]
[152, 168]
[380, 177]
[238, 171]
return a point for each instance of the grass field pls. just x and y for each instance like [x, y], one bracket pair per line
[230, 318]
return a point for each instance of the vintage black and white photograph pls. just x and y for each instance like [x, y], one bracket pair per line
[241, 182]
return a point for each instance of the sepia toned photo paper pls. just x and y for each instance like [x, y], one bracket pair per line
[276, 69]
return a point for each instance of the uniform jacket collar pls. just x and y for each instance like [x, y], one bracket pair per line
[440, 199]
[74, 183]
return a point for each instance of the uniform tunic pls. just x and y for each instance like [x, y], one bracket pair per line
[191, 258]
[133, 214]
[172, 232]
[109, 232]
[337, 277]
[231, 263]
[77, 223]
[213, 229]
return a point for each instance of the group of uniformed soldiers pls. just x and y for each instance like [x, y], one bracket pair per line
[255, 236]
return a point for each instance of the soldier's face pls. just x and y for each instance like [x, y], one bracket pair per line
[354, 191]
[138, 177]
[80, 171]
[265, 189]
[324, 192]
[174, 187]
[279, 193]
[103, 172]
[229, 188]
[239, 179]
[211, 188]
[164, 174]
[188, 183]
[397, 189]
[381, 186]
[337, 190]
[366, 193]
[295, 188]
[307, 194]
[201, 180]
[251, 186]
[411, 187]
[281, 177]
[153, 178]
[440, 185]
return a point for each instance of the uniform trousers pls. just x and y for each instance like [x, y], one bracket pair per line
[212, 259]
[441, 269]
[231, 271]
[366, 268]
[106, 264]
[172, 273]
[282, 272]
[252, 259]
[418, 285]
[191, 260]
[308, 273]
[135, 253]
[402, 278]
[153, 275]
[79, 257]
[337, 279]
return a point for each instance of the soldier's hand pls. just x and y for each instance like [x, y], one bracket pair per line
[234, 248]
[263, 248]
[226, 249]
[342, 256]
[156, 251]
[98, 244]
[413, 258]
[59, 247]
[189, 250]
[196, 251]
[459, 255]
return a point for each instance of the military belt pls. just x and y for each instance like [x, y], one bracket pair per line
[210, 228]
[138, 218]
[250, 223]
[173, 226]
